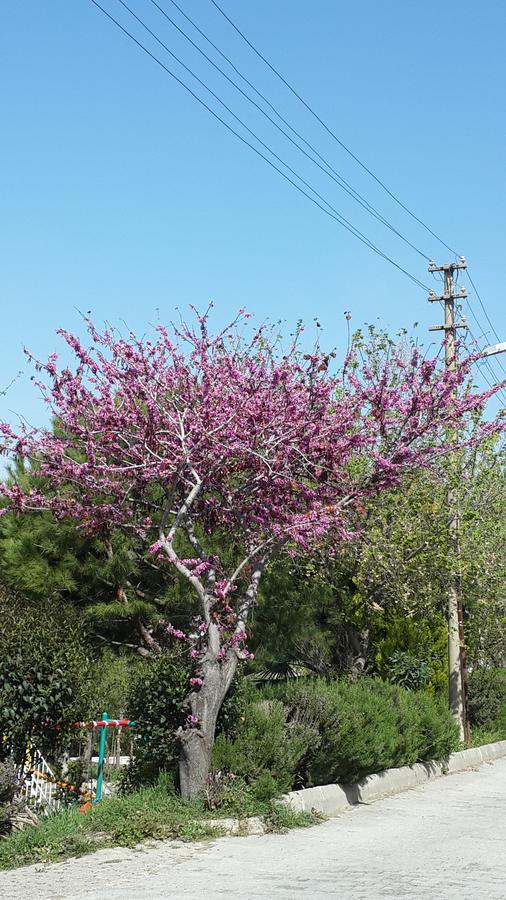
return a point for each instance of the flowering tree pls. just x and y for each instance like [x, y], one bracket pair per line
[175, 438]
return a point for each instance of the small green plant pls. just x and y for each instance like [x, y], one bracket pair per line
[413, 654]
[487, 696]
[408, 670]
[8, 785]
[266, 750]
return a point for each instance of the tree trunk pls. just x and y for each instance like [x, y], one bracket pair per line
[197, 740]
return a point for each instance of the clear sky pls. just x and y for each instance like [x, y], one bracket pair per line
[121, 195]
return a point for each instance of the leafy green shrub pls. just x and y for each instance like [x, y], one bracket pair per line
[314, 732]
[266, 750]
[482, 734]
[409, 670]
[30, 698]
[437, 730]
[155, 702]
[46, 672]
[8, 785]
[347, 716]
[413, 653]
[368, 726]
[487, 696]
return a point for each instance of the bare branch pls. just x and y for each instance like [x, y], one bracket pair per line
[193, 539]
[142, 651]
[270, 542]
[181, 568]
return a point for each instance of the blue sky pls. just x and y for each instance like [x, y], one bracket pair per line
[120, 195]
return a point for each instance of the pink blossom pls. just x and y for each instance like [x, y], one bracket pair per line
[176, 633]
[155, 548]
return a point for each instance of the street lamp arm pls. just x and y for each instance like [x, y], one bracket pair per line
[494, 349]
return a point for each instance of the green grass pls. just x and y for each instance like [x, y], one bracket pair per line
[487, 734]
[155, 813]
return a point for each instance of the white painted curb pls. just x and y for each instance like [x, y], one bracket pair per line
[333, 799]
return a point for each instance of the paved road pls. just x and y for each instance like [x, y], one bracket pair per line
[441, 841]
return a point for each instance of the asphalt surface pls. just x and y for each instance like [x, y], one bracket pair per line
[443, 840]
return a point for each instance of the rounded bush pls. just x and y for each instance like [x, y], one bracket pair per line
[366, 726]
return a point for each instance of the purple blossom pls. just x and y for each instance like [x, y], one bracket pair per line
[155, 548]
[176, 633]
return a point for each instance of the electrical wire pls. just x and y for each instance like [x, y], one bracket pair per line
[497, 381]
[329, 130]
[331, 211]
[494, 332]
[333, 173]
[297, 95]
[484, 333]
[342, 219]
[486, 362]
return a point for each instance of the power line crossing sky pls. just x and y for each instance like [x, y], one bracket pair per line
[124, 196]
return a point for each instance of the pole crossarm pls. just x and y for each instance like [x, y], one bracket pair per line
[448, 267]
[438, 298]
[447, 327]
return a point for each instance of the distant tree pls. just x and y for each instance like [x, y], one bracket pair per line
[107, 576]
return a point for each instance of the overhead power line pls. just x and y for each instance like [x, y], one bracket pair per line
[494, 332]
[329, 131]
[327, 167]
[276, 111]
[330, 211]
[477, 320]
[484, 333]
[485, 362]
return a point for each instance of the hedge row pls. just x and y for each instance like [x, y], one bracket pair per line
[319, 732]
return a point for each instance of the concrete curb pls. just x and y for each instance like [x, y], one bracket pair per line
[333, 799]
[242, 827]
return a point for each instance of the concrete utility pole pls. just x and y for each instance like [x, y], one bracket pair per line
[457, 670]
